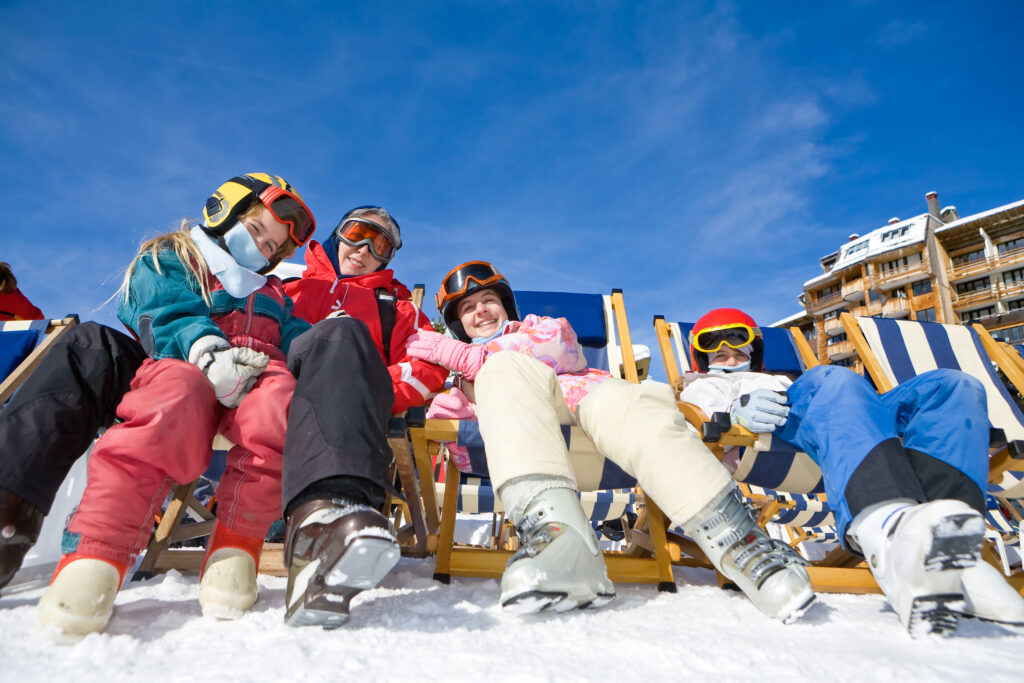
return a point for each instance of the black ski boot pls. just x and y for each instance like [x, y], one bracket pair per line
[20, 522]
[333, 551]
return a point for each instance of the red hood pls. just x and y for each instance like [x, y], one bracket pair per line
[320, 267]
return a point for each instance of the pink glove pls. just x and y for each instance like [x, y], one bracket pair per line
[457, 356]
[451, 406]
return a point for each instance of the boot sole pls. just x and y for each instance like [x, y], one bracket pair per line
[935, 614]
[361, 565]
[534, 602]
[956, 545]
[799, 611]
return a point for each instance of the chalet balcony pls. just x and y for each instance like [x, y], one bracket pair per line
[830, 302]
[853, 291]
[974, 298]
[887, 279]
[833, 326]
[895, 308]
[1012, 288]
[982, 266]
[840, 351]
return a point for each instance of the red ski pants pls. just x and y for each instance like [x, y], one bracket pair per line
[170, 418]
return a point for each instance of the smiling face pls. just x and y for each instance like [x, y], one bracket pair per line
[356, 260]
[728, 356]
[269, 235]
[481, 313]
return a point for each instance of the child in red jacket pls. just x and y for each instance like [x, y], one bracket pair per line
[13, 304]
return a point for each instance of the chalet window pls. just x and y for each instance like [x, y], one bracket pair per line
[969, 257]
[922, 287]
[926, 315]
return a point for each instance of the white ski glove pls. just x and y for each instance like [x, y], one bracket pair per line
[232, 370]
[760, 411]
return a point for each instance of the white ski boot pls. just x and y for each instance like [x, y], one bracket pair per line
[987, 596]
[918, 555]
[80, 597]
[559, 564]
[768, 571]
[228, 587]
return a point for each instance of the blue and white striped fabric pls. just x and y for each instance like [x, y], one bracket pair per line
[476, 496]
[906, 348]
[773, 464]
[600, 479]
[17, 339]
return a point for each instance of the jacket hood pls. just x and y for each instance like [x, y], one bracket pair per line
[319, 265]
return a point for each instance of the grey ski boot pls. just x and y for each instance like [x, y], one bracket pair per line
[559, 564]
[768, 571]
[333, 551]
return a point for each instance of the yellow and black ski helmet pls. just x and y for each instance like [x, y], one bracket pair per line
[234, 198]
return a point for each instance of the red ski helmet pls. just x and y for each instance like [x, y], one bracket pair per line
[725, 326]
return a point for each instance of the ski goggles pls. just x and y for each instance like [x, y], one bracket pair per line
[712, 339]
[356, 232]
[458, 280]
[289, 210]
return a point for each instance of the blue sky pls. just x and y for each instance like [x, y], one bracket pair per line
[692, 154]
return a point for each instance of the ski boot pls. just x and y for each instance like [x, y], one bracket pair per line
[559, 564]
[80, 597]
[918, 555]
[987, 596]
[768, 571]
[20, 522]
[228, 586]
[334, 550]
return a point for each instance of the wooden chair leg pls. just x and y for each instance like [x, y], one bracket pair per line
[446, 538]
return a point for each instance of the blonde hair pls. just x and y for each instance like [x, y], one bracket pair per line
[181, 243]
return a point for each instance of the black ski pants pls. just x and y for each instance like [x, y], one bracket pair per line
[336, 444]
[51, 420]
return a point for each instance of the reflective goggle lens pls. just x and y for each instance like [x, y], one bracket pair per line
[458, 280]
[710, 341]
[291, 211]
[357, 231]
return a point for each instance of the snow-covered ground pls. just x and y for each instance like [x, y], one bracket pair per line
[414, 628]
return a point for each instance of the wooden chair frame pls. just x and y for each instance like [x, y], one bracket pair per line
[839, 571]
[1003, 456]
[648, 555]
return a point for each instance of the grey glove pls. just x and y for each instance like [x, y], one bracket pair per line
[232, 372]
[760, 411]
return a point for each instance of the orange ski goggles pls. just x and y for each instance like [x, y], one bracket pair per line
[458, 280]
[356, 232]
[289, 210]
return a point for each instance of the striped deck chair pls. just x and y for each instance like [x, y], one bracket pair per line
[782, 483]
[895, 350]
[599, 320]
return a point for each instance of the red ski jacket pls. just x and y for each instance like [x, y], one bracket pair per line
[16, 306]
[320, 292]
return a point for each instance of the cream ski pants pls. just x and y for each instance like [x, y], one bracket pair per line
[637, 426]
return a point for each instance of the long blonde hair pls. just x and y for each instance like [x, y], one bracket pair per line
[180, 241]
